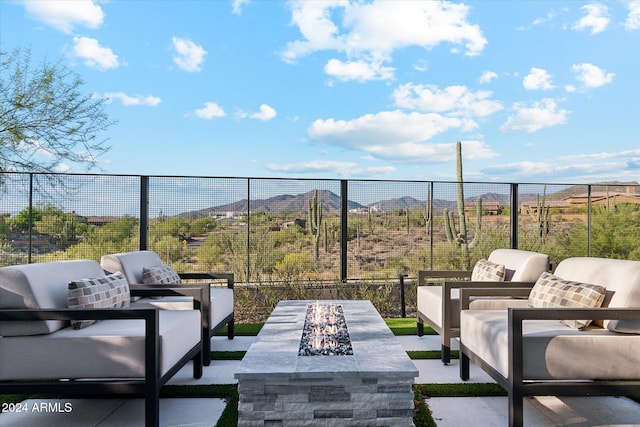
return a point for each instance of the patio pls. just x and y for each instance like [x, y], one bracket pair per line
[446, 411]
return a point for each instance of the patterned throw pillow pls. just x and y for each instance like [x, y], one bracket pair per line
[160, 275]
[552, 291]
[487, 271]
[111, 291]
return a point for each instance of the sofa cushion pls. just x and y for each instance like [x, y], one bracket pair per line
[620, 277]
[40, 285]
[130, 263]
[520, 266]
[111, 291]
[551, 291]
[487, 271]
[160, 275]
[551, 349]
[111, 348]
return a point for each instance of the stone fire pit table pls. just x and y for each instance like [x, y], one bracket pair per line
[279, 387]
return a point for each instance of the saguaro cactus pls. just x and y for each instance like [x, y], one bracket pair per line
[542, 216]
[460, 237]
[315, 222]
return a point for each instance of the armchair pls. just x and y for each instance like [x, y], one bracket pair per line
[217, 305]
[439, 305]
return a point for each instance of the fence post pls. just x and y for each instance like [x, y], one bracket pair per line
[144, 213]
[403, 305]
[30, 244]
[344, 231]
[514, 216]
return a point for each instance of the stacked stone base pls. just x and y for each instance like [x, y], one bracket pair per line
[344, 400]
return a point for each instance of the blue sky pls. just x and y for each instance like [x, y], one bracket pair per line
[537, 91]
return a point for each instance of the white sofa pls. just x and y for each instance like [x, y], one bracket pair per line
[132, 350]
[530, 352]
[438, 301]
[217, 306]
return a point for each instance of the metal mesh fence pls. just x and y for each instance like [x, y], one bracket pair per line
[291, 231]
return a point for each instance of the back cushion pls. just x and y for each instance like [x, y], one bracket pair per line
[41, 285]
[621, 279]
[521, 266]
[130, 263]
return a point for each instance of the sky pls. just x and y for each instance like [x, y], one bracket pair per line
[536, 91]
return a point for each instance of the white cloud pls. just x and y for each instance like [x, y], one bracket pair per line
[591, 76]
[605, 166]
[537, 79]
[392, 135]
[63, 15]
[266, 113]
[358, 70]
[188, 55]
[94, 55]
[237, 6]
[541, 114]
[337, 168]
[127, 100]
[633, 19]
[596, 18]
[455, 100]
[487, 76]
[209, 111]
[370, 32]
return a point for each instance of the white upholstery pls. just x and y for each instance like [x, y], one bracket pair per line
[40, 285]
[520, 266]
[555, 351]
[551, 349]
[130, 263]
[107, 349]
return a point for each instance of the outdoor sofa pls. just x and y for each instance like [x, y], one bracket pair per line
[551, 348]
[129, 350]
[439, 305]
[217, 304]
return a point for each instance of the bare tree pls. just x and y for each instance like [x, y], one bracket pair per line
[45, 117]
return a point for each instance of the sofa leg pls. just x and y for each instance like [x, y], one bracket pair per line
[206, 347]
[152, 408]
[197, 365]
[420, 325]
[464, 367]
[446, 354]
[230, 330]
[516, 408]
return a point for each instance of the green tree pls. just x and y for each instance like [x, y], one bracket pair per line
[45, 117]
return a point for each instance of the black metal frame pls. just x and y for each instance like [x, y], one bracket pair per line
[446, 331]
[148, 387]
[516, 385]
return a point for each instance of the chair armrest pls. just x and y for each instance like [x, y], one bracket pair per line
[424, 276]
[229, 277]
[199, 292]
[496, 291]
[518, 315]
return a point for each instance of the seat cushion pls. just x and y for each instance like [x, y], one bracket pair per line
[107, 349]
[552, 350]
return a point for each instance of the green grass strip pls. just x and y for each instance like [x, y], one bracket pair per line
[461, 390]
[430, 354]
[228, 355]
[422, 416]
[193, 391]
[229, 416]
[242, 329]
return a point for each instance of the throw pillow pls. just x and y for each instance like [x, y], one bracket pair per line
[552, 291]
[111, 291]
[160, 275]
[487, 271]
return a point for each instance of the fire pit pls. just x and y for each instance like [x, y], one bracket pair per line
[325, 332]
[314, 361]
